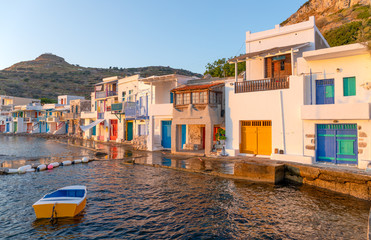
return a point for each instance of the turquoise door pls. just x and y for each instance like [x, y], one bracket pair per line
[94, 131]
[166, 134]
[184, 134]
[47, 127]
[7, 127]
[129, 131]
[66, 127]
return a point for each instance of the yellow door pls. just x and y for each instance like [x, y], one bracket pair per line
[265, 140]
[249, 141]
[256, 137]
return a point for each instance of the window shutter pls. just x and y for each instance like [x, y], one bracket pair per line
[349, 86]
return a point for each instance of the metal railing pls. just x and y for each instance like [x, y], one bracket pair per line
[262, 85]
[111, 93]
[100, 94]
[101, 115]
[117, 107]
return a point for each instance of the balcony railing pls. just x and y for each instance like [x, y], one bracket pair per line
[116, 107]
[101, 115]
[52, 119]
[111, 93]
[41, 119]
[261, 85]
[70, 116]
[100, 94]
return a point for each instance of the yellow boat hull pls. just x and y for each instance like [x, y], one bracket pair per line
[60, 209]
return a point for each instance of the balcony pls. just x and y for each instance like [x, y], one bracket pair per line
[262, 85]
[111, 93]
[29, 119]
[101, 115]
[52, 119]
[68, 116]
[41, 119]
[346, 111]
[100, 94]
[116, 107]
[88, 115]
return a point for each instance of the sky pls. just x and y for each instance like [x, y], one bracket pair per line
[184, 34]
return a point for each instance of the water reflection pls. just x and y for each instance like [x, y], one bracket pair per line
[140, 202]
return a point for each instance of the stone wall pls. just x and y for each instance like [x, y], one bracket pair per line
[338, 180]
[194, 134]
[140, 142]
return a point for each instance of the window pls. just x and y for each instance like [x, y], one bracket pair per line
[199, 97]
[130, 98]
[212, 97]
[123, 96]
[349, 86]
[282, 65]
[171, 97]
[179, 99]
[186, 98]
[195, 97]
[203, 97]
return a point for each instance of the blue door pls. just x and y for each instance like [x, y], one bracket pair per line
[184, 134]
[166, 134]
[7, 127]
[66, 127]
[325, 91]
[337, 143]
[47, 127]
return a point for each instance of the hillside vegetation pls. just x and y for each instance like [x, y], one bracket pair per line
[340, 21]
[49, 76]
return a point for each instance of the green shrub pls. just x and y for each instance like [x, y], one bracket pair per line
[344, 34]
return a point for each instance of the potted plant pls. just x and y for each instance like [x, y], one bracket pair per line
[220, 136]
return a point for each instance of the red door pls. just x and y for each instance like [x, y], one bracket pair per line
[203, 137]
[113, 132]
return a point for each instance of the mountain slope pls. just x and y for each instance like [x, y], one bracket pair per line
[50, 75]
[340, 21]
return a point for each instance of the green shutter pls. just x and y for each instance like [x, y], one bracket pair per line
[349, 86]
[330, 91]
[346, 147]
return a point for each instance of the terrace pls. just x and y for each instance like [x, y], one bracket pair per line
[262, 85]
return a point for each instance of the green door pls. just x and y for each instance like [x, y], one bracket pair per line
[129, 131]
[15, 126]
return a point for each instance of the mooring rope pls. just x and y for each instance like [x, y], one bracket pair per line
[53, 218]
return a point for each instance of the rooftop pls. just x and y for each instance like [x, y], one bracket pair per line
[197, 87]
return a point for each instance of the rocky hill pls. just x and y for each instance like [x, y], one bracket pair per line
[340, 21]
[50, 75]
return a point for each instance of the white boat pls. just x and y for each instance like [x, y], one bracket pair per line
[65, 202]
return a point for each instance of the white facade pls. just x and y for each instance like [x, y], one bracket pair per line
[338, 64]
[301, 37]
[267, 100]
[65, 99]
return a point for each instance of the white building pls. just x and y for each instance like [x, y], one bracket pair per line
[337, 105]
[65, 99]
[263, 112]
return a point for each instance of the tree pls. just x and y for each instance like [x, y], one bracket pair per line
[47, 100]
[221, 68]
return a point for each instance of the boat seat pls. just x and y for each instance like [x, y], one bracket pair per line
[66, 193]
